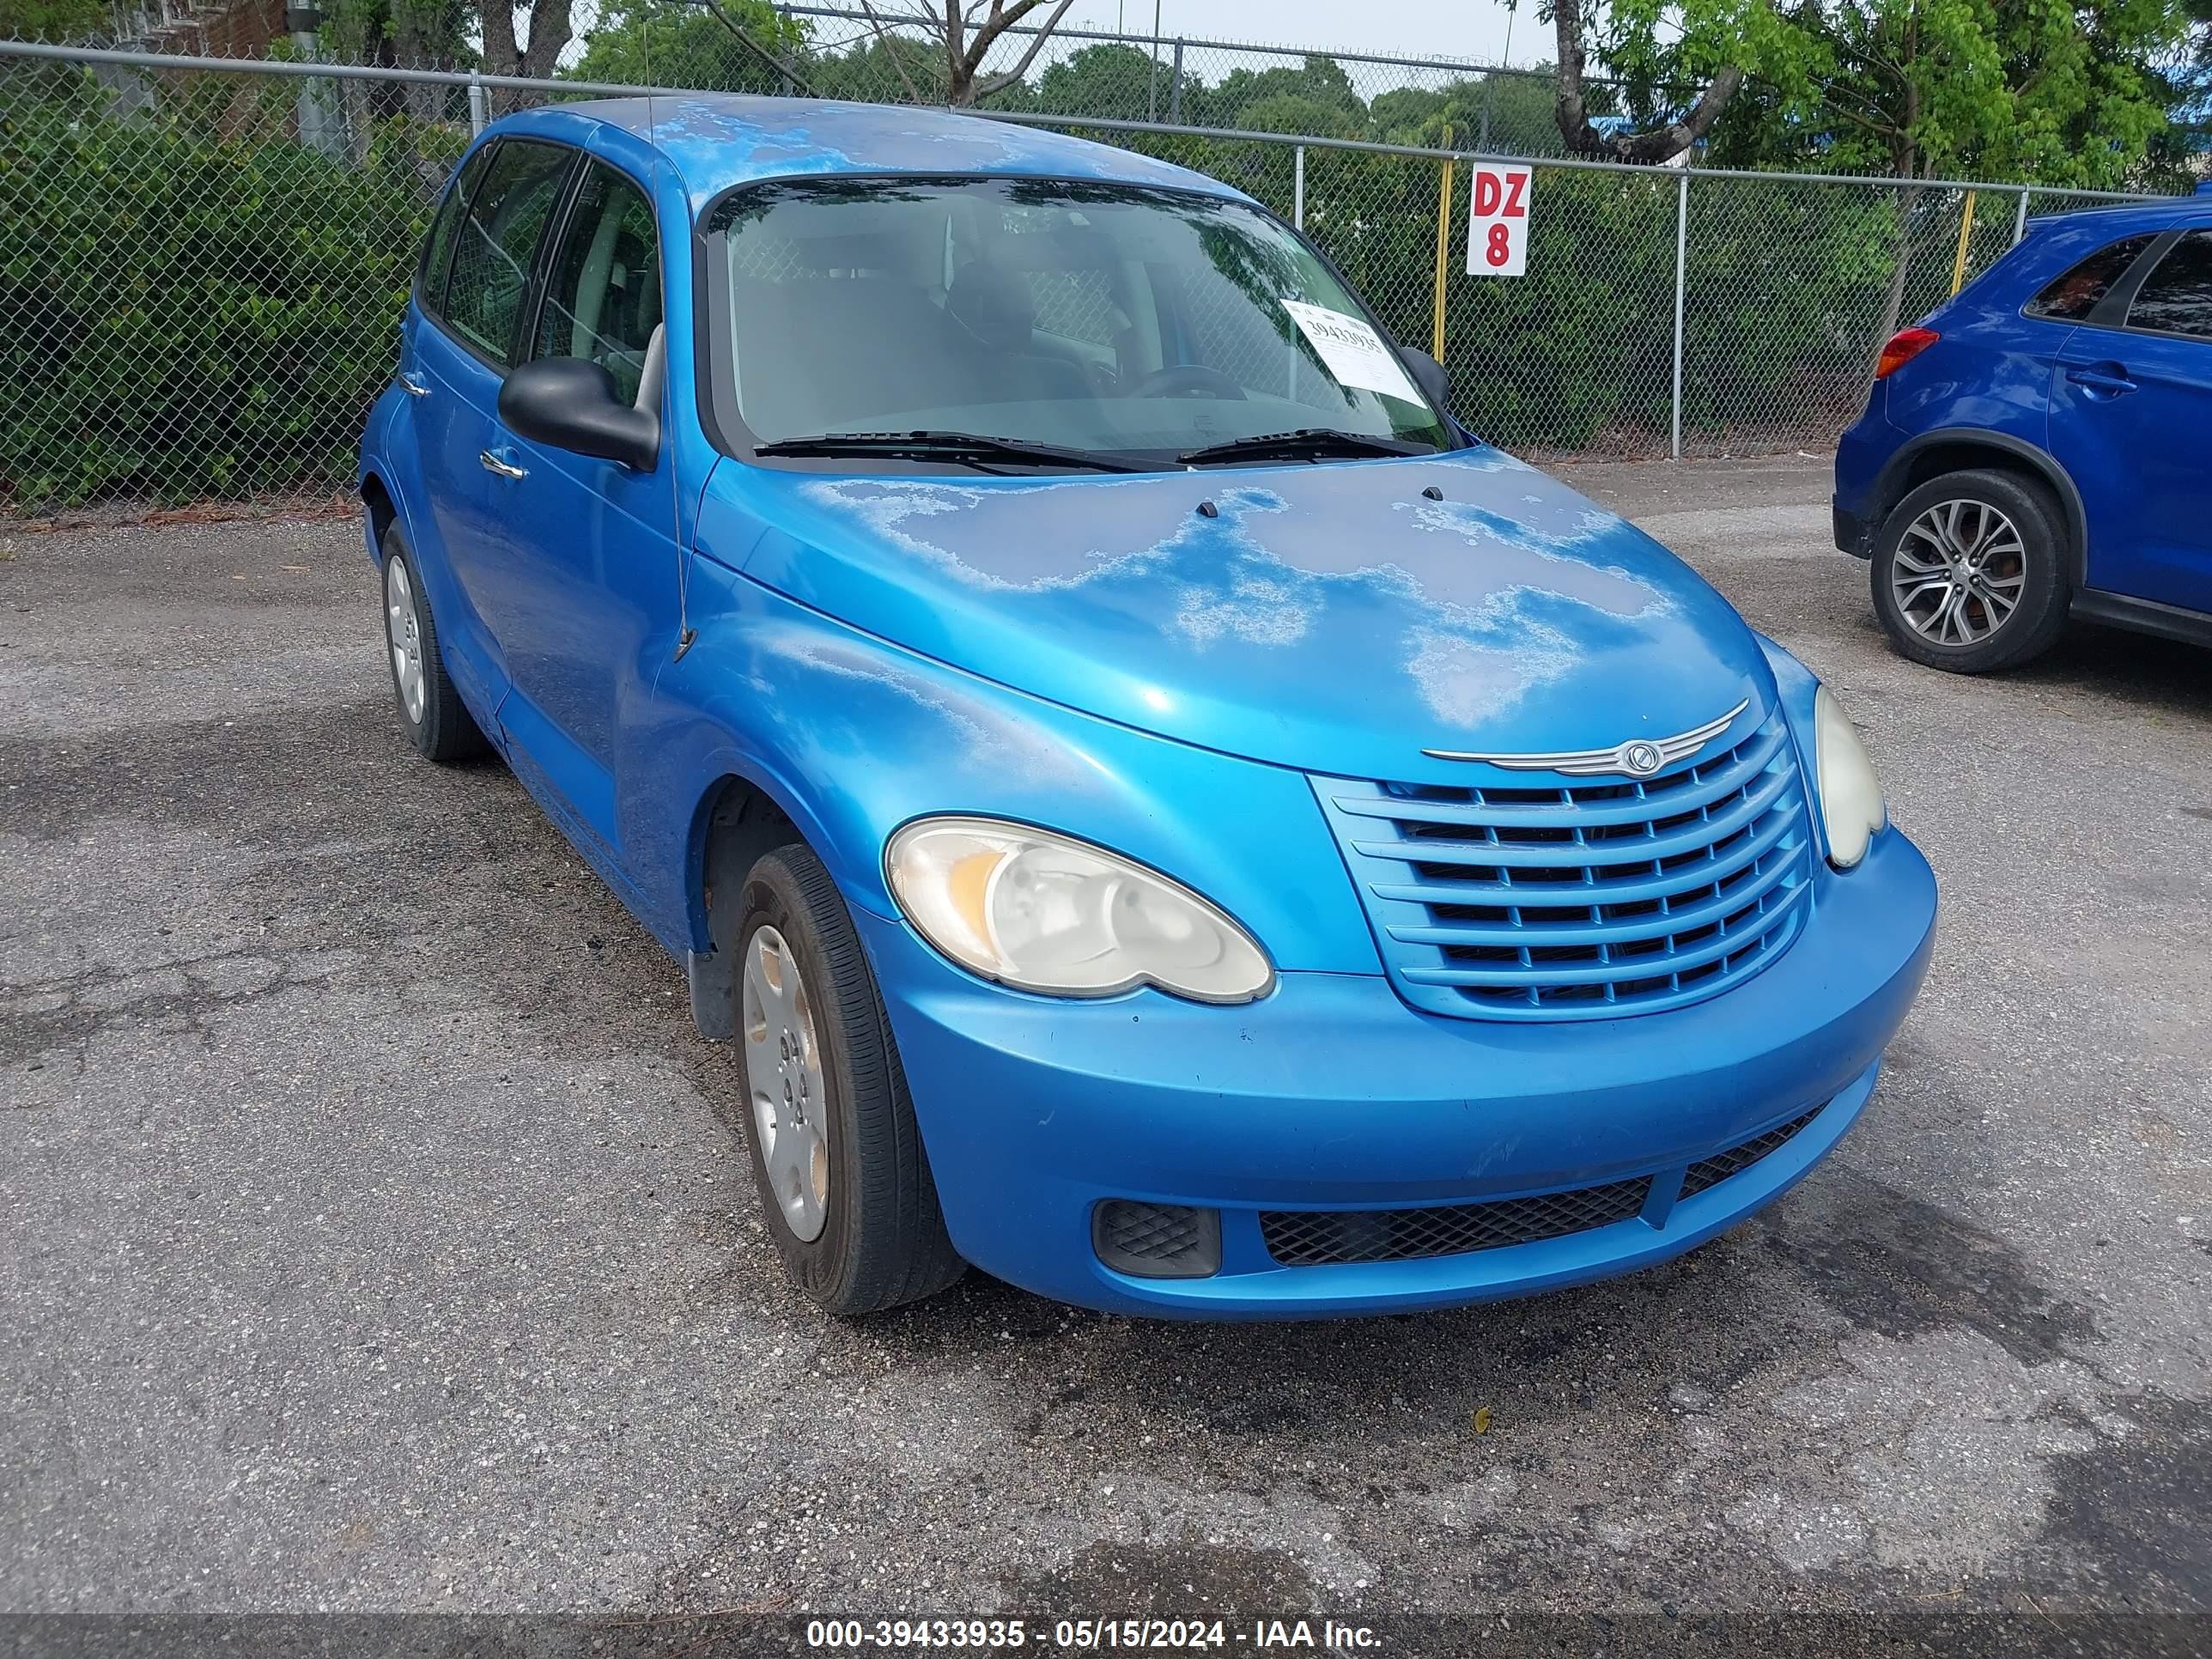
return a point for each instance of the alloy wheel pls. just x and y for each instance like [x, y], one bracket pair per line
[1958, 572]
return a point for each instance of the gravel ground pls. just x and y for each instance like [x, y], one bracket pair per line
[378, 1234]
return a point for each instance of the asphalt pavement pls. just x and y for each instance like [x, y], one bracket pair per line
[377, 1233]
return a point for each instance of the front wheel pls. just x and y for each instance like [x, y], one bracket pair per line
[1969, 572]
[843, 1181]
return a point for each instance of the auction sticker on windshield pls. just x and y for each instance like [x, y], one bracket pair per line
[1352, 350]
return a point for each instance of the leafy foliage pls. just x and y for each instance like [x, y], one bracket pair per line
[195, 305]
[2045, 90]
[51, 20]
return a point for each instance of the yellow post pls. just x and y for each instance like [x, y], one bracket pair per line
[1443, 253]
[1966, 235]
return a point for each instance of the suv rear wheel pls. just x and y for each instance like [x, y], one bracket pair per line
[1969, 572]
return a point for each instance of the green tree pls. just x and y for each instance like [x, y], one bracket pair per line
[1319, 81]
[2001, 89]
[1115, 82]
[1509, 114]
[676, 43]
[1663, 49]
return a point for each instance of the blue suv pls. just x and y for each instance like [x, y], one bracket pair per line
[2035, 449]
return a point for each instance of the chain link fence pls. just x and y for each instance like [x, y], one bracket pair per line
[202, 266]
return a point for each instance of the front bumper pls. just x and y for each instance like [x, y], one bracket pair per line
[1332, 1094]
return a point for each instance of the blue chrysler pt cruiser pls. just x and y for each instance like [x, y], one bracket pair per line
[1168, 818]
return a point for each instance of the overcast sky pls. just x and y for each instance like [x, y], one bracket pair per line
[1450, 28]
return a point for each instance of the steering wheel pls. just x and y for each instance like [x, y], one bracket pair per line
[1187, 380]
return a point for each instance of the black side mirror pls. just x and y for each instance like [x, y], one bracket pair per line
[571, 405]
[1428, 374]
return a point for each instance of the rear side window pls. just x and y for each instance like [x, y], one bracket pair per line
[2176, 298]
[497, 240]
[2073, 296]
[438, 249]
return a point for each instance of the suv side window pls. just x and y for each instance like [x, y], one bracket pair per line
[602, 287]
[2176, 298]
[438, 247]
[2071, 297]
[497, 239]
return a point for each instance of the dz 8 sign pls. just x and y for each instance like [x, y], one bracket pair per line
[1498, 221]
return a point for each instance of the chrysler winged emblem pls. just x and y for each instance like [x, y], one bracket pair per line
[1638, 758]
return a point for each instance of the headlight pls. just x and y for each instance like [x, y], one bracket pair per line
[1043, 912]
[1851, 807]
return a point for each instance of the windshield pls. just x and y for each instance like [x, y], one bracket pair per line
[1096, 318]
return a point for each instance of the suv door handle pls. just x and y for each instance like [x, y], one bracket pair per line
[2110, 380]
[411, 387]
[492, 463]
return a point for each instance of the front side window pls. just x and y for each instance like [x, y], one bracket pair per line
[1087, 316]
[602, 292]
[2071, 297]
[2176, 298]
[497, 239]
[438, 246]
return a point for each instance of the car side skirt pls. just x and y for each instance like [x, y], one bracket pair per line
[2167, 622]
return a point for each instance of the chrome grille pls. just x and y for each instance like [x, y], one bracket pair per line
[1583, 900]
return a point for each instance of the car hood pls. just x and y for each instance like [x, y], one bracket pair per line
[1339, 618]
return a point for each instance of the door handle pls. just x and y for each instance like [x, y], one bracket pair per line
[2109, 379]
[492, 463]
[411, 387]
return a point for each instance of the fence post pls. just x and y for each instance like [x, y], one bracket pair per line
[321, 127]
[1298, 187]
[479, 103]
[1681, 270]
[2019, 219]
[1175, 87]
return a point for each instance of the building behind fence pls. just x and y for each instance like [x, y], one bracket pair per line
[203, 265]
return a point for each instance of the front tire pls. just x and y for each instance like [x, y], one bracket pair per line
[1969, 573]
[844, 1184]
[437, 721]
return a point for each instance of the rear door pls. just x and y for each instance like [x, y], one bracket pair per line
[2130, 409]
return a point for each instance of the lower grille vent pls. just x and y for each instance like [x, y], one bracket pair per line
[1711, 1171]
[1299, 1238]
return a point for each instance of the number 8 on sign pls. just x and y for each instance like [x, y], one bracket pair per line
[1497, 221]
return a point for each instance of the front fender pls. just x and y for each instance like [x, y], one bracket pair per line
[852, 737]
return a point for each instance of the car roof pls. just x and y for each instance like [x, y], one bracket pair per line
[2118, 219]
[719, 140]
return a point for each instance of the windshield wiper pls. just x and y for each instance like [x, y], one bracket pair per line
[1307, 443]
[929, 446]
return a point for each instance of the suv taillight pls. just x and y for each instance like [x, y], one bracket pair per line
[1904, 346]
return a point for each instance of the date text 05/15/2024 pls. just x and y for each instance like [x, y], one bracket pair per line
[1088, 1634]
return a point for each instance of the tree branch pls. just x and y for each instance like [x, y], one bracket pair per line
[1022, 8]
[891, 52]
[759, 50]
[1658, 144]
